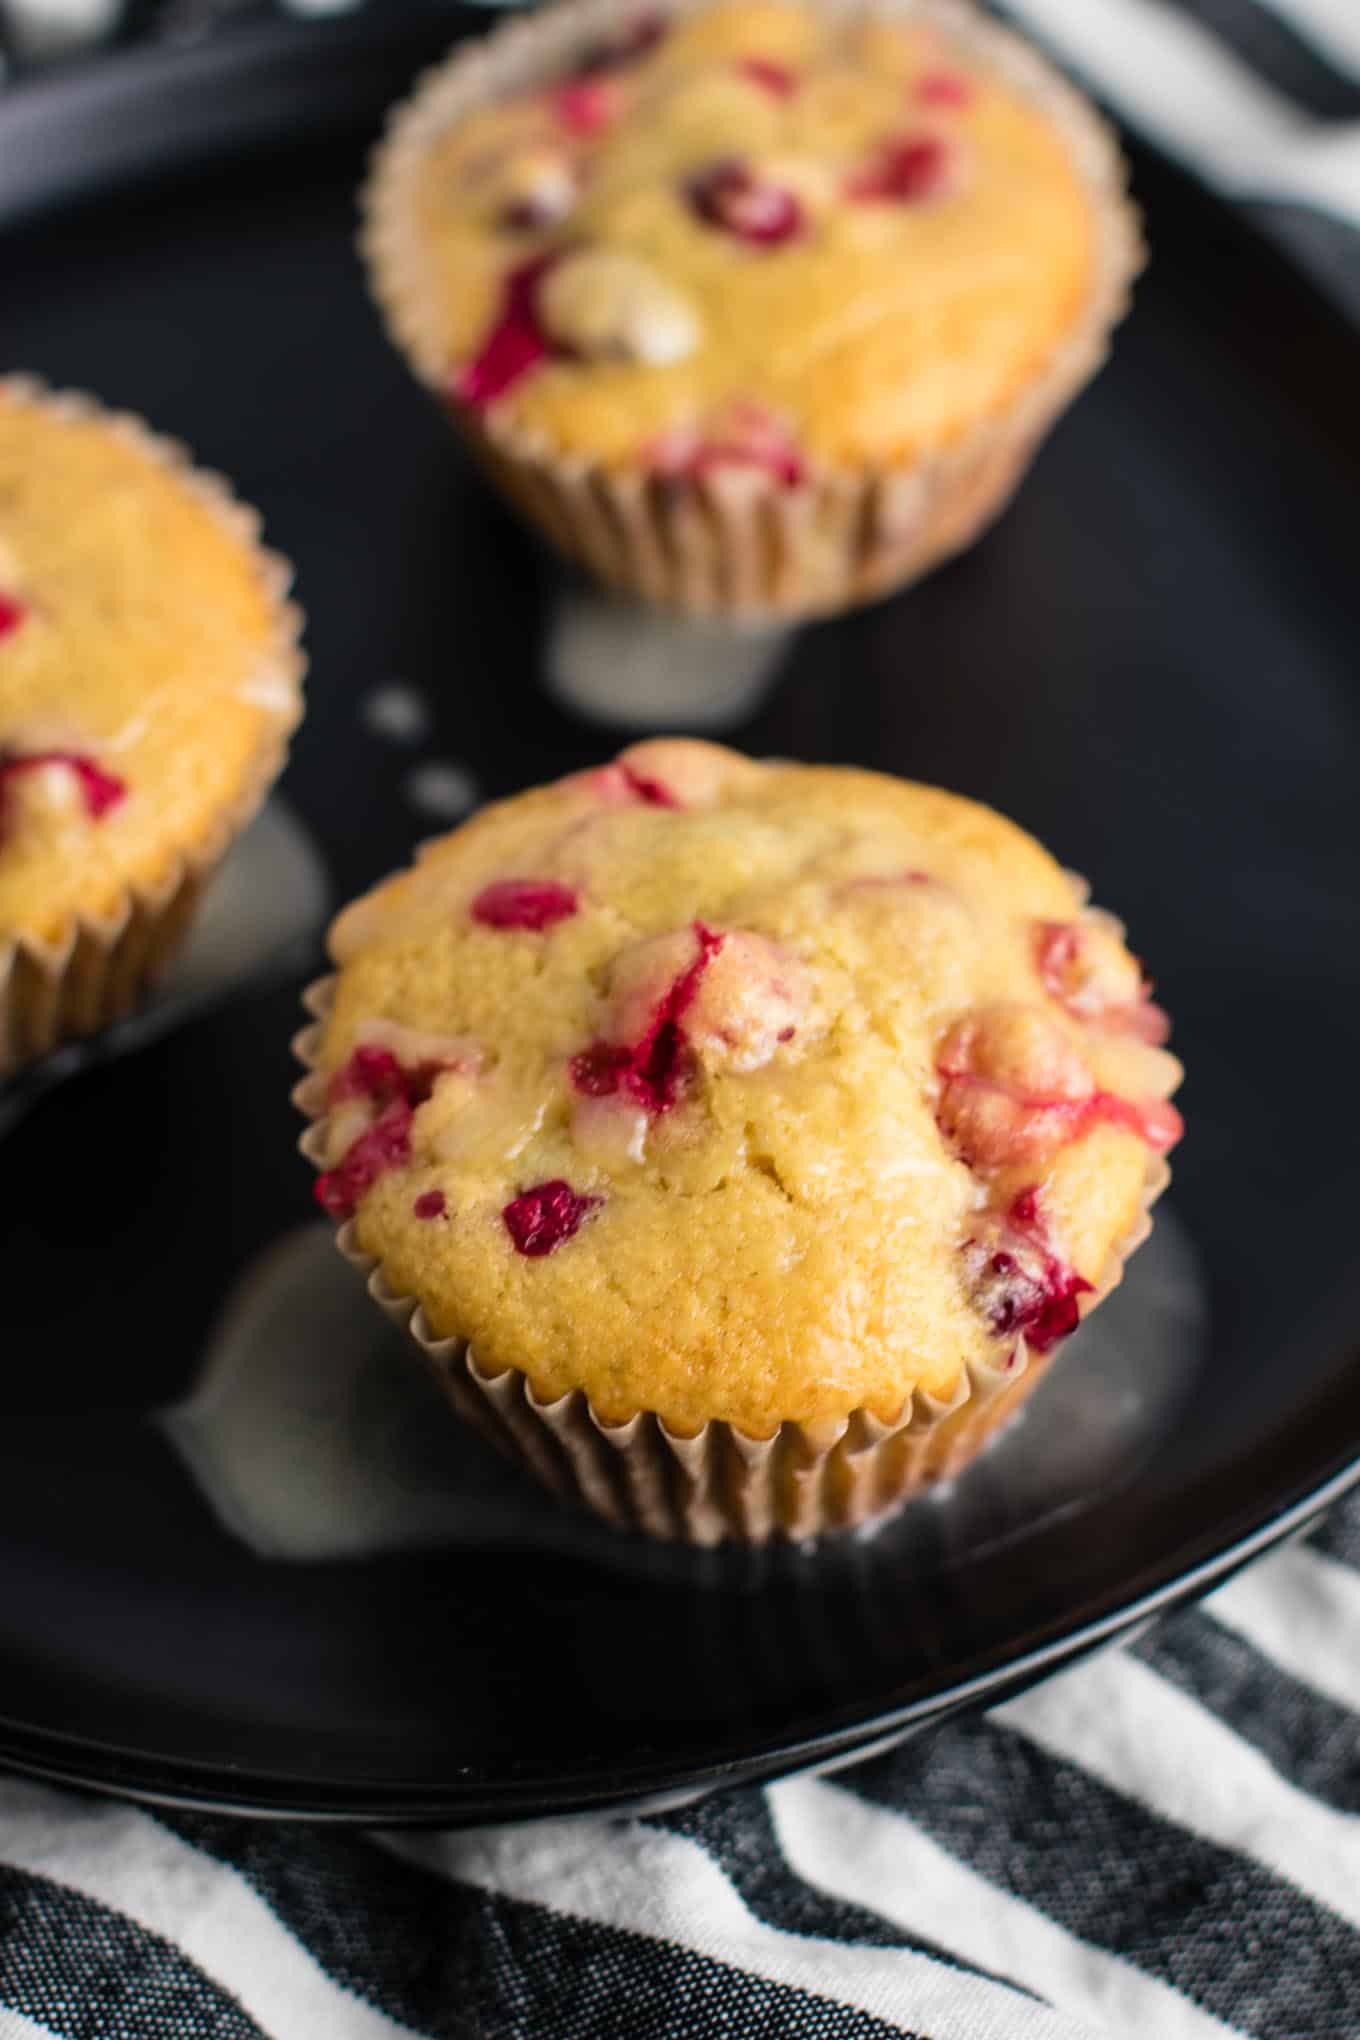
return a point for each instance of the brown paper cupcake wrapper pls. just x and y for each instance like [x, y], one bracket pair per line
[97, 969]
[735, 543]
[721, 1483]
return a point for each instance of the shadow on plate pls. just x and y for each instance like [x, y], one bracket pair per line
[315, 1433]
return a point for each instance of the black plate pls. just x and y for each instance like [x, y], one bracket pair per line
[1150, 662]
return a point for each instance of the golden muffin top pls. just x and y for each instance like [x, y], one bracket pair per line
[740, 1091]
[753, 234]
[146, 661]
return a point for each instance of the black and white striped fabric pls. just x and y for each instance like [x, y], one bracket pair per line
[1161, 1844]
[1259, 98]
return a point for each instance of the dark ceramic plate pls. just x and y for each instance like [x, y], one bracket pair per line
[1151, 662]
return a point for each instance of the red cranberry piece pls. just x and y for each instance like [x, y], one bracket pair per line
[375, 1074]
[776, 79]
[993, 1126]
[516, 343]
[588, 100]
[1025, 1127]
[623, 785]
[586, 105]
[783, 463]
[743, 435]
[655, 1076]
[667, 772]
[889, 882]
[1057, 947]
[385, 1145]
[530, 903]
[1015, 1090]
[532, 215]
[652, 1070]
[1018, 1282]
[12, 613]
[1154, 1120]
[1043, 1305]
[430, 1204]
[370, 1073]
[1067, 972]
[728, 195]
[540, 1219]
[100, 790]
[906, 172]
[944, 88]
[598, 1071]
[650, 791]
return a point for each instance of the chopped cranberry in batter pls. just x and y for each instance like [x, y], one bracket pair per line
[1015, 1089]
[530, 903]
[1016, 1279]
[944, 88]
[374, 1074]
[1088, 971]
[776, 79]
[650, 791]
[586, 105]
[386, 1145]
[741, 435]
[541, 1219]
[651, 1069]
[630, 779]
[730, 195]
[99, 790]
[516, 343]
[907, 172]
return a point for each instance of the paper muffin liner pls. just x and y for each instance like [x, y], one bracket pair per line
[735, 543]
[96, 971]
[720, 1483]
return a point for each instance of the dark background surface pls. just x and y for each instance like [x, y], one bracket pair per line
[1150, 662]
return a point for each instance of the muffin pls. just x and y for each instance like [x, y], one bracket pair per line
[757, 307]
[739, 1141]
[149, 679]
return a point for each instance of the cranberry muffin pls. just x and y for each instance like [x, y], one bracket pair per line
[742, 1139]
[149, 679]
[755, 306]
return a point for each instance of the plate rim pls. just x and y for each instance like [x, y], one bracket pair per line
[50, 1756]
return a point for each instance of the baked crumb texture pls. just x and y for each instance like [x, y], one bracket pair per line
[765, 1094]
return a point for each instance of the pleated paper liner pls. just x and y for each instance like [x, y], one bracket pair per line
[736, 543]
[98, 969]
[721, 1483]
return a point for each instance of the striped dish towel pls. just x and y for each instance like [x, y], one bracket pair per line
[1160, 1844]
[1259, 98]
